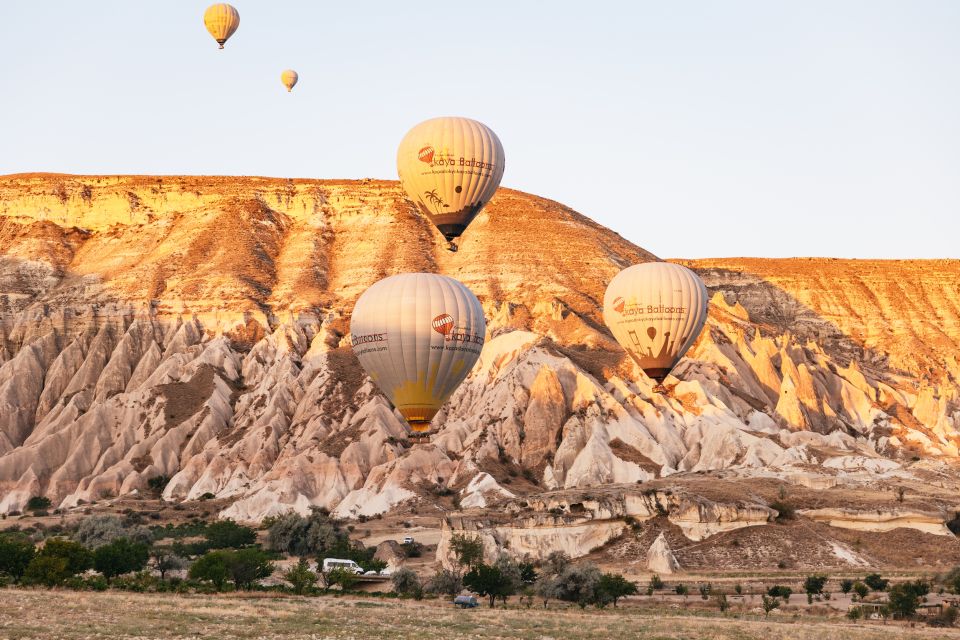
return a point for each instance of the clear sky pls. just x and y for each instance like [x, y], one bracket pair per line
[694, 129]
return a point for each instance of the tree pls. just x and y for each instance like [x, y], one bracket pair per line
[547, 587]
[846, 585]
[446, 582]
[489, 581]
[614, 586]
[875, 582]
[780, 591]
[338, 576]
[769, 604]
[78, 558]
[227, 534]
[721, 600]
[246, 566]
[578, 583]
[300, 577]
[952, 579]
[212, 567]
[163, 559]
[48, 571]
[704, 590]
[682, 590]
[119, 557]
[406, 582]
[38, 503]
[656, 582]
[861, 590]
[738, 589]
[16, 552]
[903, 600]
[813, 586]
[468, 550]
[314, 535]
[555, 563]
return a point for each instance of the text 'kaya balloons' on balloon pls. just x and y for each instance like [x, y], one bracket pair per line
[656, 310]
[221, 20]
[417, 335]
[450, 168]
[289, 78]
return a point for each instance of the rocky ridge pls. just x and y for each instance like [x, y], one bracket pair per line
[196, 328]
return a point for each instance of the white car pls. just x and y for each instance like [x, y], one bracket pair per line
[408, 540]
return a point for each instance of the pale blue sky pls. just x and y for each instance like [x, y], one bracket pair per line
[760, 128]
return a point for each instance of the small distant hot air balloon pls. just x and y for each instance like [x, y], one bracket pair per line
[289, 79]
[221, 20]
[656, 310]
[450, 168]
[417, 335]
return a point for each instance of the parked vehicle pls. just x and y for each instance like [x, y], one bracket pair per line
[408, 540]
[465, 602]
[339, 563]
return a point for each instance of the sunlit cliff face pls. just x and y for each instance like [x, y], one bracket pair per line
[196, 327]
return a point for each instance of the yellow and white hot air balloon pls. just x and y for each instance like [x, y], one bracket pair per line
[450, 168]
[289, 79]
[221, 20]
[417, 335]
[656, 310]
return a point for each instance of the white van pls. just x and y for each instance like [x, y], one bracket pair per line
[338, 563]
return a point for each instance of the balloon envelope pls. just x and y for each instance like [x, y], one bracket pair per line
[450, 168]
[656, 310]
[289, 79]
[417, 335]
[221, 20]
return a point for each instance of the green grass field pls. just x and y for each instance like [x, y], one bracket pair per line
[68, 615]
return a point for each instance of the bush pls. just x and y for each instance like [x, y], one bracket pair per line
[300, 577]
[682, 590]
[905, 597]
[445, 582]
[246, 566]
[119, 557]
[48, 571]
[341, 577]
[314, 535]
[947, 618]
[875, 582]
[158, 483]
[785, 511]
[656, 582]
[846, 585]
[813, 585]
[578, 583]
[407, 583]
[38, 503]
[861, 590]
[211, 567]
[99, 530]
[16, 552]
[227, 534]
[779, 591]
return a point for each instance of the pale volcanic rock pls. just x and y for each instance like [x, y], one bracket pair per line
[660, 558]
[198, 328]
[880, 519]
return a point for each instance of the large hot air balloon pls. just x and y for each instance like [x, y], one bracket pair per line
[450, 168]
[655, 311]
[289, 79]
[221, 20]
[417, 335]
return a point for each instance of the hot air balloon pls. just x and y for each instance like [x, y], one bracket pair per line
[221, 20]
[417, 335]
[655, 310]
[289, 79]
[450, 168]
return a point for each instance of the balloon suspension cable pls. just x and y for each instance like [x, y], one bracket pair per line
[220, 42]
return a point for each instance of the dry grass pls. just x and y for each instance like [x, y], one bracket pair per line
[66, 615]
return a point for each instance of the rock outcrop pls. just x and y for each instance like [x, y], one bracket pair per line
[197, 328]
[660, 558]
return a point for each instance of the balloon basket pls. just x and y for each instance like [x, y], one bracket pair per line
[659, 388]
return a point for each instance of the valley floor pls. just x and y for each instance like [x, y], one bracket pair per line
[63, 614]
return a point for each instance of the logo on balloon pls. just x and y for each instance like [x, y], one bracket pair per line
[443, 323]
[618, 303]
[426, 154]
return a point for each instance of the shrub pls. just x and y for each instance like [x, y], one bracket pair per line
[861, 590]
[341, 577]
[846, 585]
[947, 618]
[119, 557]
[16, 552]
[99, 530]
[158, 483]
[875, 582]
[48, 571]
[656, 582]
[785, 511]
[578, 583]
[38, 503]
[855, 613]
[445, 582]
[300, 577]
[704, 590]
[314, 535]
[769, 604]
[813, 585]
[246, 566]
[227, 534]
[406, 582]
[682, 590]
[779, 591]
[211, 567]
